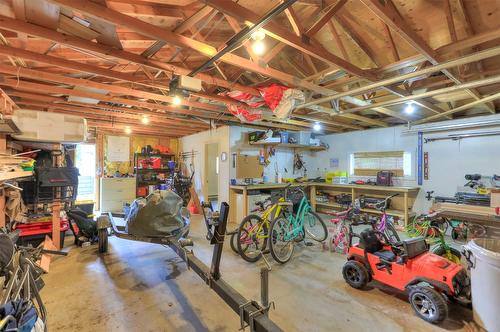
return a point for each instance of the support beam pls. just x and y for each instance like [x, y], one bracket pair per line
[281, 34]
[158, 33]
[327, 16]
[107, 51]
[357, 38]
[45, 76]
[137, 117]
[483, 100]
[388, 13]
[491, 52]
[469, 85]
[37, 88]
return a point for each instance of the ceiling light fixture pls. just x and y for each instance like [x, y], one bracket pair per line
[409, 109]
[128, 130]
[145, 120]
[258, 35]
[317, 126]
[258, 47]
[177, 100]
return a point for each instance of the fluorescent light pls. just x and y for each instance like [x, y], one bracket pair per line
[317, 126]
[177, 100]
[145, 120]
[258, 47]
[128, 130]
[409, 109]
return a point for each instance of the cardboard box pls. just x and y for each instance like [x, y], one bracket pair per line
[495, 198]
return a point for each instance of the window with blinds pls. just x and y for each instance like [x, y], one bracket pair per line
[369, 163]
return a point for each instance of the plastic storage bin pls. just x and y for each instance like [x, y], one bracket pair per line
[284, 137]
[484, 262]
[304, 137]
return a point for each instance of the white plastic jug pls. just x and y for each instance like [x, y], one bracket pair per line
[483, 256]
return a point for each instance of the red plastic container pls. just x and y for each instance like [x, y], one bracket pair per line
[153, 162]
[35, 232]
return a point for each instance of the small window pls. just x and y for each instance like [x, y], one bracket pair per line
[370, 163]
[85, 161]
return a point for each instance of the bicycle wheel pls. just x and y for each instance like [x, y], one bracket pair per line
[391, 233]
[453, 255]
[252, 238]
[314, 226]
[341, 240]
[234, 242]
[281, 249]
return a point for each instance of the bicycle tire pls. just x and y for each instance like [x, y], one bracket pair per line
[243, 235]
[391, 233]
[341, 240]
[281, 254]
[321, 234]
[234, 244]
[455, 254]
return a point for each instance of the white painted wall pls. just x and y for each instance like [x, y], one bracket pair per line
[196, 142]
[283, 157]
[449, 160]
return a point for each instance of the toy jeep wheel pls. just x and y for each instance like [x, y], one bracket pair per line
[103, 240]
[355, 274]
[428, 304]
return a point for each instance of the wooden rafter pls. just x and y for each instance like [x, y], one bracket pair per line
[327, 16]
[110, 52]
[281, 34]
[388, 13]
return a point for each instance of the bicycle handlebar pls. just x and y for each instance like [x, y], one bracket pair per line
[383, 205]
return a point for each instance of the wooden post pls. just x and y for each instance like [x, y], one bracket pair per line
[3, 148]
[232, 205]
[312, 193]
[245, 204]
[56, 224]
[99, 152]
[406, 208]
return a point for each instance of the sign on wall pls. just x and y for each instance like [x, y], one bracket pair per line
[118, 148]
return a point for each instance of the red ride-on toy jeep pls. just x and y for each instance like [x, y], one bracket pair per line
[408, 266]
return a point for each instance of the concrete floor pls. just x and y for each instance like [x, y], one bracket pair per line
[146, 287]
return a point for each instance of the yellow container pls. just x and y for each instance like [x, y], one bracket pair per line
[330, 175]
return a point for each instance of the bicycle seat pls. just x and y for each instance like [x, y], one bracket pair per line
[286, 203]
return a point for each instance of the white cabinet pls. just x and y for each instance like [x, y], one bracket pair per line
[115, 192]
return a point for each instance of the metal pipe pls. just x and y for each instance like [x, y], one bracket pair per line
[461, 136]
[469, 123]
[264, 287]
[244, 34]
[481, 55]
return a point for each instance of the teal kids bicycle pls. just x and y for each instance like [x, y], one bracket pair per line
[291, 228]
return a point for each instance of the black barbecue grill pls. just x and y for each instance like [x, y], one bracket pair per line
[51, 184]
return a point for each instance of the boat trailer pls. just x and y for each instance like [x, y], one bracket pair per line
[252, 314]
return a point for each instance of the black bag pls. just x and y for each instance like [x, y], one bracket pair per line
[86, 226]
[384, 178]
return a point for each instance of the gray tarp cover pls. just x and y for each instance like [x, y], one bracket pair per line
[155, 216]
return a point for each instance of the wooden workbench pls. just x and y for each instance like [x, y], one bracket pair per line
[401, 206]
[466, 212]
[244, 189]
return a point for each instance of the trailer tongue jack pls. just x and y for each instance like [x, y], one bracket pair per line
[252, 314]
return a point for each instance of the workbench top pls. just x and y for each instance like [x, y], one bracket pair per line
[266, 186]
[323, 184]
[365, 186]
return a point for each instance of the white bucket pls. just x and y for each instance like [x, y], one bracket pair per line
[484, 263]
